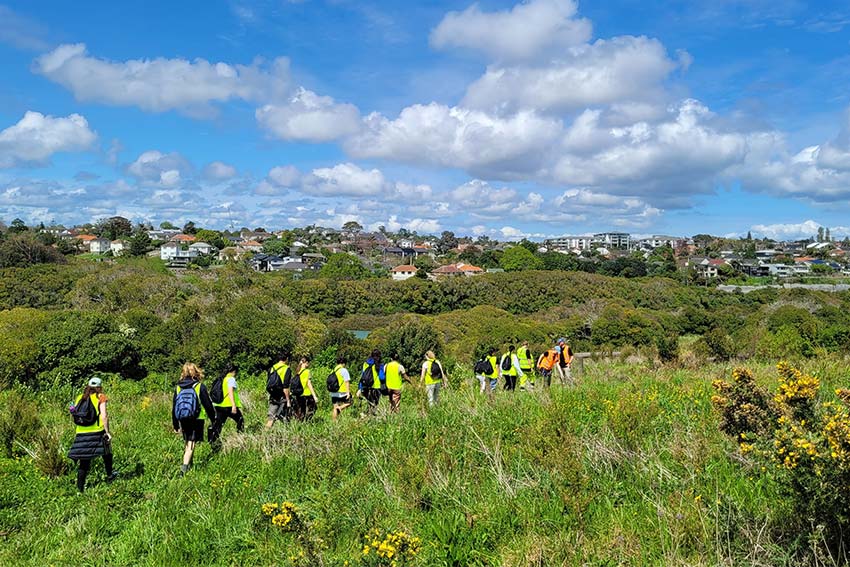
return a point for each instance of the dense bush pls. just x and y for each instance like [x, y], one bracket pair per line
[409, 337]
[799, 439]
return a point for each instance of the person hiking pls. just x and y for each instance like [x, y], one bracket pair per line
[306, 400]
[230, 405]
[190, 406]
[487, 371]
[433, 376]
[277, 385]
[526, 364]
[341, 399]
[509, 368]
[371, 390]
[395, 373]
[565, 360]
[546, 364]
[93, 438]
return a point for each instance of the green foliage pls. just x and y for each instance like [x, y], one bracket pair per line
[140, 243]
[409, 337]
[24, 250]
[342, 266]
[717, 344]
[211, 237]
[113, 228]
[19, 351]
[518, 258]
[19, 421]
[18, 226]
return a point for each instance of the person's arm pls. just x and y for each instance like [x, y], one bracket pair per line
[443, 372]
[422, 377]
[104, 419]
[312, 390]
[230, 394]
[174, 422]
[515, 362]
[206, 401]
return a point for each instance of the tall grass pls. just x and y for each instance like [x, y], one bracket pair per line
[625, 468]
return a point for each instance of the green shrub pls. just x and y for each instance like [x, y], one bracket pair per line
[409, 337]
[717, 344]
[19, 421]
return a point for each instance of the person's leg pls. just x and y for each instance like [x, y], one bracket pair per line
[568, 372]
[188, 454]
[395, 400]
[310, 408]
[82, 473]
[239, 419]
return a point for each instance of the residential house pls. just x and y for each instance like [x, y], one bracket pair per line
[780, 270]
[99, 245]
[404, 272]
[203, 248]
[459, 269]
[118, 247]
[254, 235]
[171, 251]
[268, 262]
[613, 239]
[182, 238]
[85, 239]
[163, 234]
[578, 243]
[706, 268]
[250, 246]
[314, 259]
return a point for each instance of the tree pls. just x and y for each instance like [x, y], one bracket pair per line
[23, 250]
[140, 243]
[276, 246]
[352, 227]
[165, 225]
[189, 228]
[749, 236]
[344, 267]
[211, 237]
[826, 236]
[517, 258]
[114, 227]
[820, 234]
[18, 227]
[529, 245]
[447, 241]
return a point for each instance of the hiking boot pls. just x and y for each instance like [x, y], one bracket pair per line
[111, 476]
[184, 469]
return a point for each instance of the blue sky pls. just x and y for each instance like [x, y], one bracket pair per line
[537, 118]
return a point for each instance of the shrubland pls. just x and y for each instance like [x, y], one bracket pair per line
[635, 464]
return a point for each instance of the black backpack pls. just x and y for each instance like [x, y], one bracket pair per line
[217, 390]
[506, 362]
[436, 369]
[186, 403]
[296, 388]
[484, 367]
[84, 413]
[274, 385]
[367, 378]
[333, 382]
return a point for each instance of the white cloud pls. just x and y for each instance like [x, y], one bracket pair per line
[457, 137]
[36, 137]
[394, 224]
[285, 176]
[617, 70]
[309, 117]
[21, 32]
[793, 231]
[159, 85]
[158, 169]
[218, 171]
[682, 154]
[523, 32]
[344, 179]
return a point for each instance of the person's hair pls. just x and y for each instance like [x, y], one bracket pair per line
[376, 354]
[511, 348]
[393, 355]
[492, 350]
[90, 390]
[305, 357]
[284, 355]
[341, 359]
[191, 370]
[430, 354]
[230, 367]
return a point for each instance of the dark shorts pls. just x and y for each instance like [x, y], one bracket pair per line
[277, 409]
[338, 401]
[192, 429]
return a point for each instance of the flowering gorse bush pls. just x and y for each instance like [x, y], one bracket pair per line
[803, 442]
[390, 549]
[287, 517]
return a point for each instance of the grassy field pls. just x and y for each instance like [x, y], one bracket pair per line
[625, 468]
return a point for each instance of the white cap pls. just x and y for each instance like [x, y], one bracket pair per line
[95, 382]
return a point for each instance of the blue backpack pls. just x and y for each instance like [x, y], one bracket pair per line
[186, 405]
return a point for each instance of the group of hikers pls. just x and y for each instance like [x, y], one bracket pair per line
[292, 395]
